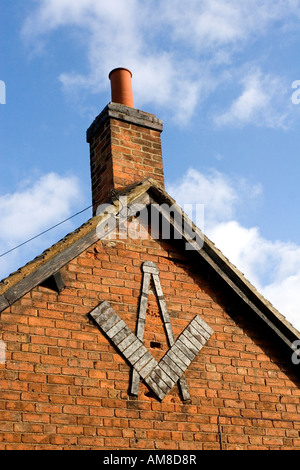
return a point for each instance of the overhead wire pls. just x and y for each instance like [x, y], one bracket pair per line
[114, 194]
[44, 231]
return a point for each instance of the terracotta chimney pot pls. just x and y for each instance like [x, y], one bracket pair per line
[121, 88]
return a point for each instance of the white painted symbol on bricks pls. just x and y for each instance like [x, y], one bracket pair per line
[159, 376]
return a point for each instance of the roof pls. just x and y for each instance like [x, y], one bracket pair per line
[149, 191]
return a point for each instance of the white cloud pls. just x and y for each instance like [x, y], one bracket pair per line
[273, 267]
[118, 34]
[220, 195]
[217, 23]
[33, 208]
[263, 102]
[154, 39]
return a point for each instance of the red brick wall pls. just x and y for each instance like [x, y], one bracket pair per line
[65, 386]
[123, 153]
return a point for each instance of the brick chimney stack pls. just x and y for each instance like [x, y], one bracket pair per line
[125, 143]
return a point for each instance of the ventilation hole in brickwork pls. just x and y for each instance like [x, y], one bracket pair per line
[155, 344]
[54, 282]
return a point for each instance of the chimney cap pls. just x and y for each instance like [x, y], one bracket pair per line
[121, 87]
[119, 68]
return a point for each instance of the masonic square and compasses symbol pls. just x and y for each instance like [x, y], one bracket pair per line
[159, 376]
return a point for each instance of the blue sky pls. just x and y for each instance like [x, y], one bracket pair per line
[219, 73]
